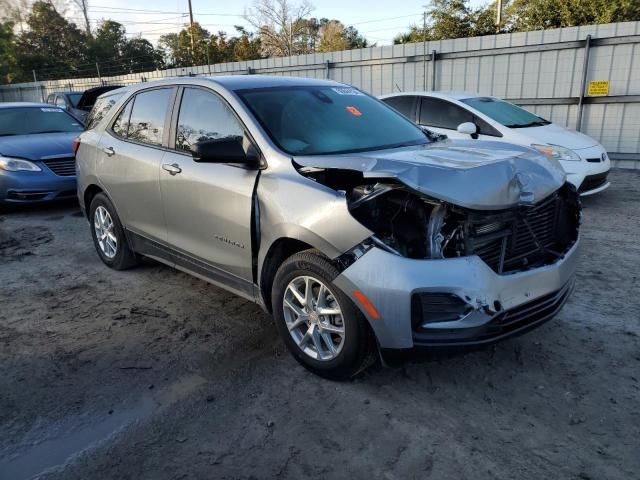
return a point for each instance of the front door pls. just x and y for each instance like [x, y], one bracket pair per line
[208, 206]
[442, 116]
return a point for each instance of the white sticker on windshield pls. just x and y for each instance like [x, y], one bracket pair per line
[55, 110]
[347, 91]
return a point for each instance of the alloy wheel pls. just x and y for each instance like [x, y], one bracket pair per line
[314, 318]
[105, 232]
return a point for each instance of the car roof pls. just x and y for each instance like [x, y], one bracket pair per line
[451, 95]
[239, 82]
[25, 104]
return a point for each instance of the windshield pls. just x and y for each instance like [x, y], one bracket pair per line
[29, 120]
[506, 113]
[74, 98]
[320, 120]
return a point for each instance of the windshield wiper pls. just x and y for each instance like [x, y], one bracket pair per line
[539, 123]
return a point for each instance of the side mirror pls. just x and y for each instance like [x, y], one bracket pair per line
[225, 150]
[468, 128]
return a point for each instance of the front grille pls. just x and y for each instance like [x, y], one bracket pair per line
[64, 167]
[527, 237]
[32, 195]
[509, 322]
[592, 182]
[539, 309]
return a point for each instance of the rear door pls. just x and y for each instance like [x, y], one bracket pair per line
[208, 206]
[131, 151]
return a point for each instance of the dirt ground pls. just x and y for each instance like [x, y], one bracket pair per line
[153, 374]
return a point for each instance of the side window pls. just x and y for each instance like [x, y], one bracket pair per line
[435, 112]
[204, 116]
[51, 98]
[148, 114]
[485, 129]
[121, 125]
[60, 102]
[405, 104]
[100, 109]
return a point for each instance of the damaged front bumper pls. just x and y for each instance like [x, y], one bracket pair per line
[470, 303]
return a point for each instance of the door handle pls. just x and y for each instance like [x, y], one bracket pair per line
[172, 168]
[109, 151]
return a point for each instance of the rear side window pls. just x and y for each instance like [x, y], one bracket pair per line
[204, 116]
[100, 109]
[60, 102]
[442, 114]
[405, 104]
[146, 123]
[121, 125]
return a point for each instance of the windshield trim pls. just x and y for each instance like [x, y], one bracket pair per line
[255, 117]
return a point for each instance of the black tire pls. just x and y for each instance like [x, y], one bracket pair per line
[358, 350]
[124, 258]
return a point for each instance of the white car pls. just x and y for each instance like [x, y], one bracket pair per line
[460, 115]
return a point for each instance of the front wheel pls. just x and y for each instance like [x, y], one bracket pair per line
[320, 325]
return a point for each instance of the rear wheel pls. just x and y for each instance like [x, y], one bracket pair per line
[108, 234]
[320, 325]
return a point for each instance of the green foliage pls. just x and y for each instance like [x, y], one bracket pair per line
[50, 42]
[455, 18]
[207, 47]
[7, 52]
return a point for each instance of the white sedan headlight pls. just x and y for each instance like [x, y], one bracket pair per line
[18, 165]
[557, 152]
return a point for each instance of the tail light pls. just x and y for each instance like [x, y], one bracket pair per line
[75, 145]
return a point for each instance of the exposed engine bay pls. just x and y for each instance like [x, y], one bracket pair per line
[413, 225]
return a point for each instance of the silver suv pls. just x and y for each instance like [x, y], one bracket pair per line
[360, 232]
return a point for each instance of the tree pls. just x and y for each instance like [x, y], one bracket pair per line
[7, 52]
[138, 55]
[177, 47]
[333, 36]
[108, 41]
[246, 46]
[281, 26]
[50, 42]
[449, 19]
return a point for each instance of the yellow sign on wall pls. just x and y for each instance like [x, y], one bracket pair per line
[598, 88]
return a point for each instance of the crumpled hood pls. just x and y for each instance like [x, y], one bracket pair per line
[553, 134]
[38, 147]
[470, 173]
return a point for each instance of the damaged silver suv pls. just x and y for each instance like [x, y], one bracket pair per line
[360, 232]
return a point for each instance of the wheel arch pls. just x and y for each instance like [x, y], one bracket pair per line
[89, 193]
[278, 252]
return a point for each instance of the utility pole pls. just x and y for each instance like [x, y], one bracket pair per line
[193, 56]
[424, 48]
[498, 15]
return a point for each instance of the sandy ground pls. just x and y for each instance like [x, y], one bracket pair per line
[152, 374]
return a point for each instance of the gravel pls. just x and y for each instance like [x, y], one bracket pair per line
[153, 374]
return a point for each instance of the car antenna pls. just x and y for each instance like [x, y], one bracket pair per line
[399, 89]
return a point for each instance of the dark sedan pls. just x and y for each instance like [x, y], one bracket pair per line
[37, 161]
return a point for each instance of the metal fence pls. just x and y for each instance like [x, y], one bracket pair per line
[546, 71]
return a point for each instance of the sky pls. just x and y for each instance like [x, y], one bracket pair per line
[378, 20]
